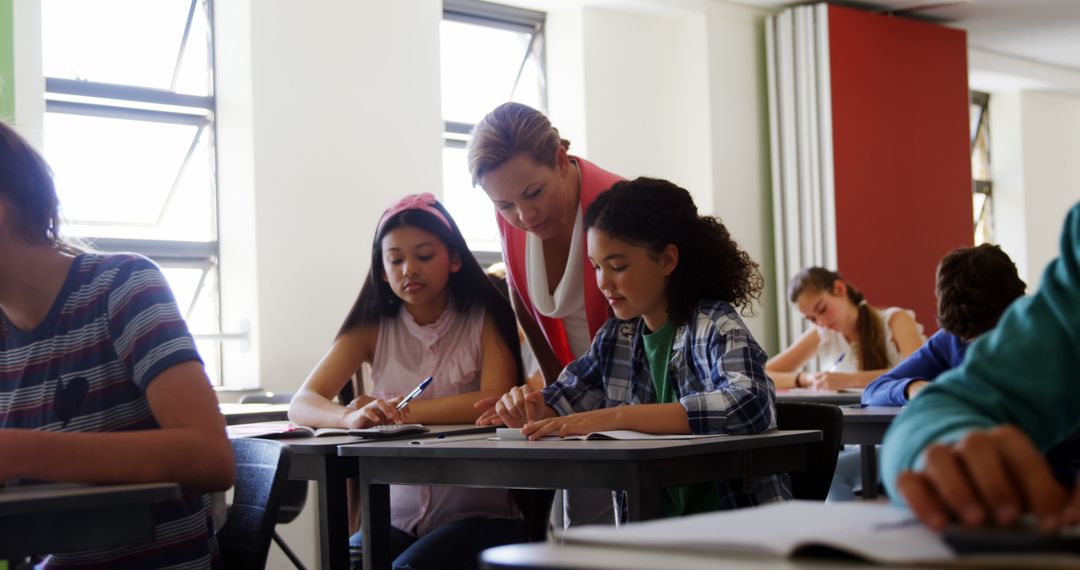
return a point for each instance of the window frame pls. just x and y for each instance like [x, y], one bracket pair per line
[985, 187]
[106, 100]
[522, 20]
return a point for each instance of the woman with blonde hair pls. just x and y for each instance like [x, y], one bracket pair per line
[540, 192]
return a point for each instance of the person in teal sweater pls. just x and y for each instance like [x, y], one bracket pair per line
[972, 446]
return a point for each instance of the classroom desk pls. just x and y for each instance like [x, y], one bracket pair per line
[65, 517]
[805, 395]
[251, 413]
[316, 459]
[551, 556]
[866, 427]
[640, 467]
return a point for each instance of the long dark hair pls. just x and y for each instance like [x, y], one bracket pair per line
[468, 285]
[654, 213]
[872, 352]
[26, 183]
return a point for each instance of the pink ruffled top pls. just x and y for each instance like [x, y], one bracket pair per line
[448, 350]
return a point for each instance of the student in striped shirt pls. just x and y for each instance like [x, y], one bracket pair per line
[100, 381]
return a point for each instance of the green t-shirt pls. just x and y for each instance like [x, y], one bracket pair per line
[684, 499]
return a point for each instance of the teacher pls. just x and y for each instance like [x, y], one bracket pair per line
[540, 192]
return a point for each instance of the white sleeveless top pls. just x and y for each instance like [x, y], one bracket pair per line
[832, 344]
[449, 351]
[568, 301]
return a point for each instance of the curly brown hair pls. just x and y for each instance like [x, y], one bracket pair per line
[654, 213]
[974, 286]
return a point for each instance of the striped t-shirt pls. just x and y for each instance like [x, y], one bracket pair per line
[113, 328]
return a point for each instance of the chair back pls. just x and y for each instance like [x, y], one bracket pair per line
[813, 483]
[261, 470]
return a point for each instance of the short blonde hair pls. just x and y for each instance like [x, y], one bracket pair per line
[511, 129]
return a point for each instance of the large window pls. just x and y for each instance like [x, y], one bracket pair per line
[129, 133]
[490, 54]
[982, 182]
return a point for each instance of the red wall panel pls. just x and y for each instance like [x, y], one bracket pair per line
[901, 154]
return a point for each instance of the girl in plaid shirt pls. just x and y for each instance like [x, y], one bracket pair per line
[676, 347]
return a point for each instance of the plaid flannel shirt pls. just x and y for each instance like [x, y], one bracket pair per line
[716, 368]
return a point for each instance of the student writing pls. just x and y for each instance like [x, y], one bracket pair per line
[873, 340]
[676, 349]
[425, 309]
[974, 286]
[100, 381]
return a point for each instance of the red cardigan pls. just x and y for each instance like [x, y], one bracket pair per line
[594, 180]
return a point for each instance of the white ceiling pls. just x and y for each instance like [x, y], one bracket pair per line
[1044, 31]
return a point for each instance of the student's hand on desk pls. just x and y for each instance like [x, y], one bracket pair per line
[581, 423]
[377, 412]
[989, 477]
[514, 409]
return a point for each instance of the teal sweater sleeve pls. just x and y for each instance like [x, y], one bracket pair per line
[1026, 372]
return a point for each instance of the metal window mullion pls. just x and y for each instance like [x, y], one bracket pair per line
[159, 249]
[126, 93]
[179, 174]
[524, 62]
[493, 15]
[114, 112]
[183, 45]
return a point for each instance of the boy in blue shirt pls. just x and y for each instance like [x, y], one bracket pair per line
[974, 286]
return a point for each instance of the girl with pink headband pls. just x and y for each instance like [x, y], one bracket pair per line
[426, 309]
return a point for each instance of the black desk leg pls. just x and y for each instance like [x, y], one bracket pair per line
[333, 515]
[869, 471]
[375, 501]
[642, 505]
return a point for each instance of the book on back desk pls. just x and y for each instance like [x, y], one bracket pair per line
[284, 430]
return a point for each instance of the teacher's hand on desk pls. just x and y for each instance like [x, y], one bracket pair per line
[989, 477]
[515, 408]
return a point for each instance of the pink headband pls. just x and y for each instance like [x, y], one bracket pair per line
[424, 202]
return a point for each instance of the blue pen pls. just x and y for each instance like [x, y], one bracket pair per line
[416, 392]
[839, 359]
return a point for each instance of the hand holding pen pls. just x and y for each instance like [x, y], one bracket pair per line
[828, 379]
[378, 411]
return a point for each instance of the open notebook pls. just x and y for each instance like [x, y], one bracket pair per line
[877, 532]
[282, 430]
[622, 434]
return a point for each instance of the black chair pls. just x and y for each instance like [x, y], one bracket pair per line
[813, 484]
[261, 470]
[294, 495]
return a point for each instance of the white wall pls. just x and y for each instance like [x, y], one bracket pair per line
[739, 139]
[29, 80]
[326, 115]
[1034, 150]
[677, 91]
[344, 117]
[1034, 121]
